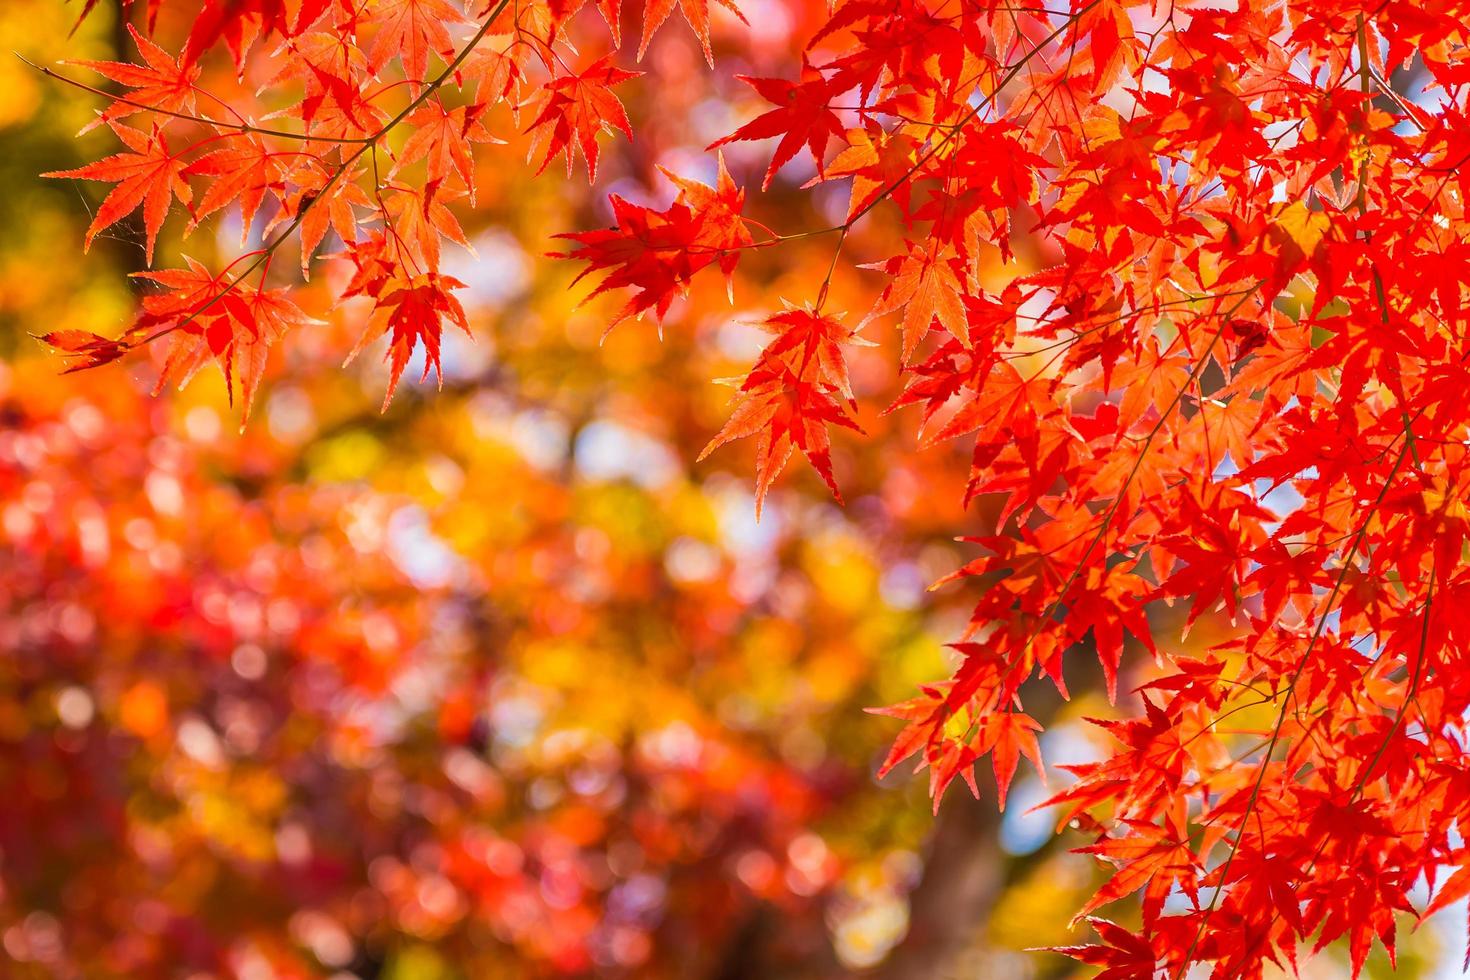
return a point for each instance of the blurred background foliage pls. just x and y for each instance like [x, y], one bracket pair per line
[499, 683]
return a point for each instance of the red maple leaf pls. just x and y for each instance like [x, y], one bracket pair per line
[411, 30]
[785, 413]
[244, 171]
[571, 110]
[160, 83]
[89, 349]
[1123, 955]
[816, 339]
[659, 252]
[926, 288]
[442, 138]
[803, 116]
[413, 313]
[1149, 857]
[1008, 735]
[696, 14]
[328, 204]
[151, 176]
[240, 22]
[208, 315]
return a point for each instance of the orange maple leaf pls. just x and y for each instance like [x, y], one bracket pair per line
[150, 176]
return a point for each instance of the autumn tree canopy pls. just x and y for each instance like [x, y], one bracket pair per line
[1184, 283]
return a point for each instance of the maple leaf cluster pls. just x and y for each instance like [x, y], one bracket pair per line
[659, 252]
[391, 100]
[1187, 285]
[799, 386]
[1231, 384]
